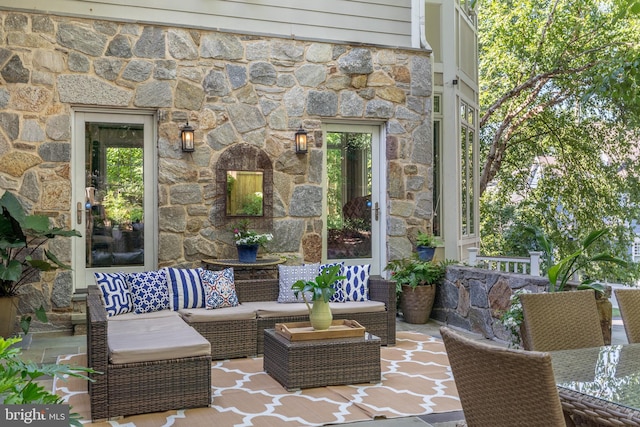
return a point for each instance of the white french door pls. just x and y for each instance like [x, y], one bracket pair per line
[353, 199]
[114, 193]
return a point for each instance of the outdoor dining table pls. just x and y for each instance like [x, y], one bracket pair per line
[600, 385]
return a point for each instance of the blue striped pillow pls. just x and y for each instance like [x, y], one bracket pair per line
[185, 288]
[116, 295]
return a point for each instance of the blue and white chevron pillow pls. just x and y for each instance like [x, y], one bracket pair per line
[185, 288]
[116, 295]
[356, 285]
[150, 291]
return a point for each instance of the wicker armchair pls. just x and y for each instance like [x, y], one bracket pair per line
[629, 304]
[501, 387]
[561, 321]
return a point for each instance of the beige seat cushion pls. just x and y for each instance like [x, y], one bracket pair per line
[269, 309]
[149, 315]
[356, 307]
[148, 339]
[240, 312]
[266, 309]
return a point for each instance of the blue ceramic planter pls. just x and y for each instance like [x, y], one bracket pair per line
[247, 253]
[425, 253]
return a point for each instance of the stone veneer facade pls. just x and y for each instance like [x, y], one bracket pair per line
[233, 89]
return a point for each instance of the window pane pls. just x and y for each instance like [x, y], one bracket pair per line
[436, 180]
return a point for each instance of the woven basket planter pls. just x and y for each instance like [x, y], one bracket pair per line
[416, 303]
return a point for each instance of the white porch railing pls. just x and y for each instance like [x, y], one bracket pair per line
[520, 265]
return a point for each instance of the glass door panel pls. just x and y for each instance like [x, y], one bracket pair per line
[114, 204]
[352, 215]
[114, 176]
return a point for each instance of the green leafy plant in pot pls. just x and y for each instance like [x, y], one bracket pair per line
[321, 289]
[426, 244]
[416, 282]
[22, 238]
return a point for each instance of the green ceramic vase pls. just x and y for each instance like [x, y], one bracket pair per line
[320, 316]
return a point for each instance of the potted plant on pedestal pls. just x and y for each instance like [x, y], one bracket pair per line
[416, 282]
[248, 241]
[426, 244]
[321, 289]
[23, 257]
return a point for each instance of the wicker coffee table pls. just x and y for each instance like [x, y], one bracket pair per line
[319, 363]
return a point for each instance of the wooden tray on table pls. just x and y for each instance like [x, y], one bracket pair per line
[302, 331]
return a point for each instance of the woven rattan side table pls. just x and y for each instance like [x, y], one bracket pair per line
[319, 363]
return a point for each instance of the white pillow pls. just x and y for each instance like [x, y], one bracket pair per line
[290, 274]
[185, 288]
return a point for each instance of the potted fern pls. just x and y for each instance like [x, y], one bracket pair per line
[416, 282]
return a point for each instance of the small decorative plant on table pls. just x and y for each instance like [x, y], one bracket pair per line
[248, 241]
[416, 282]
[321, 289]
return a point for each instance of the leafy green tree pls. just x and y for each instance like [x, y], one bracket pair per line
[559, 83]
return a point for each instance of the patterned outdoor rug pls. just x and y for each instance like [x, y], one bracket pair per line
[416, 380]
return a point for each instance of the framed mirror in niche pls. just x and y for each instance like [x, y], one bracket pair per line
[245, 193]
[244, 187]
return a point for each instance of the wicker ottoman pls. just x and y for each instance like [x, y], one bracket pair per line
[319, 363]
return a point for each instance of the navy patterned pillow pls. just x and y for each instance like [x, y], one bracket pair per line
[150, 291]
[338, 285]
[116, 295]
[356, 285]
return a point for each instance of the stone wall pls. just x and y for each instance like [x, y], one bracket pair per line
[233, 89]
[475, 298]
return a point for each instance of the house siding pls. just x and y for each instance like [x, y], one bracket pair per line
[234, 89]
[373, 22]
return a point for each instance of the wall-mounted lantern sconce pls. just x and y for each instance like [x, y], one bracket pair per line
[187, 136]
[301, 141]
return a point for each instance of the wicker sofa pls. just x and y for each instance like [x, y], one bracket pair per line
[145, 385]
[240, 332]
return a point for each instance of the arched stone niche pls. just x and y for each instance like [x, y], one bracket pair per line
[244, 157]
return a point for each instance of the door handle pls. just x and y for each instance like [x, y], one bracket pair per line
[79, 212]
[376, 209]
